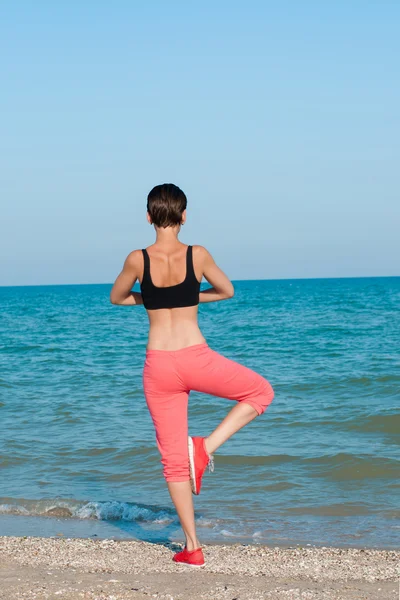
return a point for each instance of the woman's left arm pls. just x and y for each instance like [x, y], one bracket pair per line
[121, 292]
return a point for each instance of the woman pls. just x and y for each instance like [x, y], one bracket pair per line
[178, 358]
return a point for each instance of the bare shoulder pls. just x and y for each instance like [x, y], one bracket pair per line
[134, 259]
[201, 253]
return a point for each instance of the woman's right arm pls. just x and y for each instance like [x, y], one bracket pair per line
[222, 287]
[121, 292]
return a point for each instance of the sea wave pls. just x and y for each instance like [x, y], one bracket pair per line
[68, 508]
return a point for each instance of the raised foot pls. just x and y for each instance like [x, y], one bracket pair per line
[199, 460]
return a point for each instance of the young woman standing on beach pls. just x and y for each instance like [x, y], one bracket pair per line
[178, 358]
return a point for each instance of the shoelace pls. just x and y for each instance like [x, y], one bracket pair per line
[210, 463]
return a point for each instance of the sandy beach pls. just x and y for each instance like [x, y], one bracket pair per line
[67, 568]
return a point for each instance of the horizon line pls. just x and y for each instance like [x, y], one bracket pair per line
[232, 280]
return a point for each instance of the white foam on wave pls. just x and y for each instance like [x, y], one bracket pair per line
[13, 509]
[121, 511]
[103, 511]
[227, 533]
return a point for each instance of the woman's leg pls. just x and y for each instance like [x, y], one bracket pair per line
[168, 406]
[212, 373]
[182, 497]
[238, 417]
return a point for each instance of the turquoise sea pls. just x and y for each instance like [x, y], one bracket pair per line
[321, 466]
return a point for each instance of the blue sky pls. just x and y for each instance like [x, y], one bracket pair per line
[279, 120]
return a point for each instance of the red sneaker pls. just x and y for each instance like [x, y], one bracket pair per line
[192, 558]
[199, 460]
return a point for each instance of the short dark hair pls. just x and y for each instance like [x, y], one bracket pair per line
[165, 205]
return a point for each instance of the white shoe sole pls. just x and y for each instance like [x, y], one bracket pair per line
[191, 466]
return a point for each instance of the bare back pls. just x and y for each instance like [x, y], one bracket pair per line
[167, 266]
[173, 328]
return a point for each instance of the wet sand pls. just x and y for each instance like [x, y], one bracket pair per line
[72, 569]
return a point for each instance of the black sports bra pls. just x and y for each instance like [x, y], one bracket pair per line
[182, 294]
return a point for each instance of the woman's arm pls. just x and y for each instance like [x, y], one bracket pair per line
[121, 292]
[222, 287]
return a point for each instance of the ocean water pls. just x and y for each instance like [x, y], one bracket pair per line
[321, 466]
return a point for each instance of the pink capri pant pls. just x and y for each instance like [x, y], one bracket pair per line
[168, 378]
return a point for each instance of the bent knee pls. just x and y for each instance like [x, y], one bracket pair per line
[265, 397]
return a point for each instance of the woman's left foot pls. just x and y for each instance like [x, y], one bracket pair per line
[192, 558]
[199, 460]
